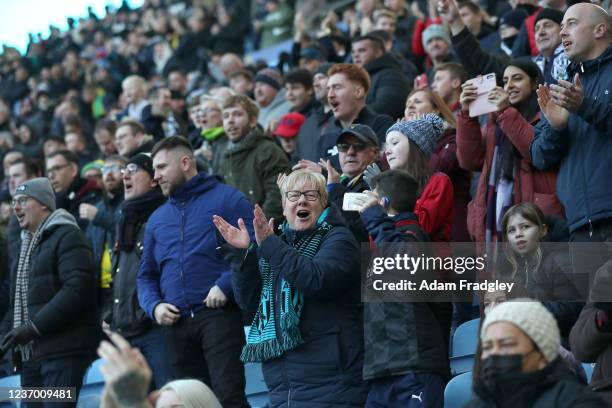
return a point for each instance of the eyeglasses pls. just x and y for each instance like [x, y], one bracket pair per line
[55, 169]
[21, 201]
[130, 169]
[358, 147]
[112, 168]
[294, 195]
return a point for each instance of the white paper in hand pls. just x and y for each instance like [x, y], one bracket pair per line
[353, 201]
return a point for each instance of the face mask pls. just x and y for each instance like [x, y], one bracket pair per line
[495, 367]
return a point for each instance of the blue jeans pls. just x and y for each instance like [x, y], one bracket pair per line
[152, 345]
[412, 390]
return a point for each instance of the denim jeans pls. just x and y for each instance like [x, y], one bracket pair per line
[152, 345]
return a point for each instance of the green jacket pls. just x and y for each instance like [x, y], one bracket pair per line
[252, 166]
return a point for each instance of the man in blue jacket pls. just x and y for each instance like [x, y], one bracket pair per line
[183, 282]
[575, 133]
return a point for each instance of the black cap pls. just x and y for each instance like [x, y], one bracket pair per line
[144, 161]
[362, 132]
[550, 14]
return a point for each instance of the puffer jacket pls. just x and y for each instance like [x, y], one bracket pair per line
[389, 88]
[475, 151]
[325, 371]
[583, 150]
[62, 291]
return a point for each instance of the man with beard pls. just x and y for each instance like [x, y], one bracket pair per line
[142, 198]
[102, 224]
[183, 283]
[252, 161]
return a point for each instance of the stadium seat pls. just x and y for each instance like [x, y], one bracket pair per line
[93, 385]
[256, 390]
[458, 391]
[463, 347]
[14, 381]
[588, 369]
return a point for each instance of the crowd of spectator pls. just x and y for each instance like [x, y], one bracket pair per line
[160, 190]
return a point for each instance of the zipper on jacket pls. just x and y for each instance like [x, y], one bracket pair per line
[289, 398]
[590, 228]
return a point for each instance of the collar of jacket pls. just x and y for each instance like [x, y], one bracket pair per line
[366, 116]
[384, 61]
[249, 142]
[593, 65]
[198, 185]
[311, 106]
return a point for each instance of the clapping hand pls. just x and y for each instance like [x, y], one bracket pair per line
[263, 228]
[556, 115]
[236, 237]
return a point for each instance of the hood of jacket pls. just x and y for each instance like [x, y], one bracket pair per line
[387, 61]
[55, 219]
[198, 185]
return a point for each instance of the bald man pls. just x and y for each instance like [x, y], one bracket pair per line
[574, 133]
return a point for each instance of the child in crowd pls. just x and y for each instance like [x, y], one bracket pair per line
[544, 271]
[406, 359]
[286, 132]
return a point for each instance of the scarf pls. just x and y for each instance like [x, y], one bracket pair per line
[21, 315]
[133, 213]
[264, 342]
[212, 134]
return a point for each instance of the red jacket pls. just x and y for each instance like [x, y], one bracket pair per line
[475, 152]
[444, 159]
[435, 207]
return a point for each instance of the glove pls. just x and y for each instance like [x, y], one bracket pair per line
[19, 335]
[370, 172]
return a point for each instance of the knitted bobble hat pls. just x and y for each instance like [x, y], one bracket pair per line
[423, 132]
[533, 319]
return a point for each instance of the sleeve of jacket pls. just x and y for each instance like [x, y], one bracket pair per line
[521, 47]
[471, 147]
[445, 160]
[518, 129]
[380, 126]
[596, 113]
[381, 227]
[149, 292]
[105, 219]
[391, 92]
[586, 340]
[246, 282]
[272, 161]
[474, 59]
[240, 208]
[77, 286]
[332, 271]
[435, 205]
[549, 146]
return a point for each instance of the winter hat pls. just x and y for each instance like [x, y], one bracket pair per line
[144, 161]
[514, 18]
[289, 125]
[96, 164]
[39, 189]
[550, 14]
[423, 132]
[269, 76]
[435, 31]
[533, 319]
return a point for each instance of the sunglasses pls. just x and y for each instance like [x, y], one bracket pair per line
[358, 147]
[130, 169]
[112, 168]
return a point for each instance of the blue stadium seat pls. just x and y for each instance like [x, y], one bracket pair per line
[588, 369]
[458, 391]
[14, 381]
[463, 347]
[256, 390]
[93, 385]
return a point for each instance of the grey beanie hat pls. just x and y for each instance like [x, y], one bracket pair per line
[435, 31]
[533, 319]
[39, 189]
[424, 132]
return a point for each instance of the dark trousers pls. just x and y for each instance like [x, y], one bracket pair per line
[60, 372]
[412, 390]
[590, 248]
[207, 346]
[152, 344]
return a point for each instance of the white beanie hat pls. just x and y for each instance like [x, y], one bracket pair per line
[533, 319]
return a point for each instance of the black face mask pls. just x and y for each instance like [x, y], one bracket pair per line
[496, 367]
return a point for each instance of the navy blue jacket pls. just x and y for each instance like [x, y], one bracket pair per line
[325, 371]
[583, 150]
[180, 263]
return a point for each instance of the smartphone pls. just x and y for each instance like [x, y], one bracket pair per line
[352, 201]
[421, 82]
[484, 85]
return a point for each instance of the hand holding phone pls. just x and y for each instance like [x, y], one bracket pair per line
[481, 104]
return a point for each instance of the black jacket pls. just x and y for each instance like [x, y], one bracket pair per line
[336, 196]
[311, 132]
[553, 386]
[62, 292]
[80, 191]
[389, 87]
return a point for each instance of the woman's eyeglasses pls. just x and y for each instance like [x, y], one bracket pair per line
[294, 195]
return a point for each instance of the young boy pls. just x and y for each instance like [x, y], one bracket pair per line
[406, 358]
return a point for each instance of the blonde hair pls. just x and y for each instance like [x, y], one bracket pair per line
[305, 177]
[438, 104]
[193, 393]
